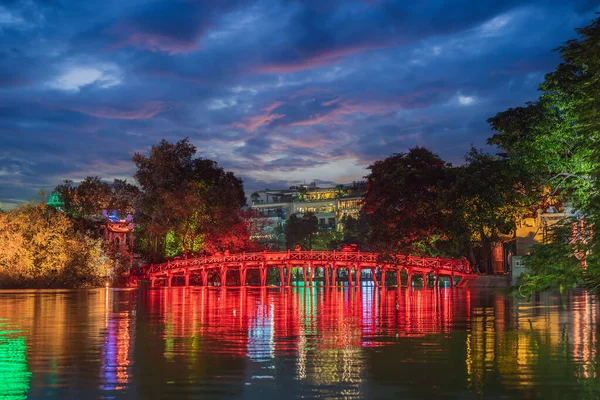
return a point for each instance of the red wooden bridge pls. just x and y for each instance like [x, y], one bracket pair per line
[327, 262]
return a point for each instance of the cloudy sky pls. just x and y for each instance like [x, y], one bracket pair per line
[277, 91]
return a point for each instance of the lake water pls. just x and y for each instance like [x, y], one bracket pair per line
[211, 343]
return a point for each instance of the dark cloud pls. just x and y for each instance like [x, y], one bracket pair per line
[280, 92]
[174, 26]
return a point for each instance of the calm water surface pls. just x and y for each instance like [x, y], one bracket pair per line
[296, 343]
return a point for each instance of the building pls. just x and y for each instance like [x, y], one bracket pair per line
[330, 205]
[536, 229]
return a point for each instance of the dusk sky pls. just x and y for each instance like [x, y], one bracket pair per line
[279, 92]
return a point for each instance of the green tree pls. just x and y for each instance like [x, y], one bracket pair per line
[191, 201]
[357, 230]
[556, 264]
[402, 200]
[487, 198]
[300, 230]
[92, 195]
[556, 140]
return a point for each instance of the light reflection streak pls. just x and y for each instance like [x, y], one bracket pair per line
[14, 373]
[118, 344]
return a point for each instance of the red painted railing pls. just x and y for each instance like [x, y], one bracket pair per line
[310, 259]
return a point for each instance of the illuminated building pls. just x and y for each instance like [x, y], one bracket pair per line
[119, 231]
[330, 205]
[54, 200]
[535, 229]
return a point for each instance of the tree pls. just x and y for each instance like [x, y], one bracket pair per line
[556, 140]
[419, 204]
[40, 247]
[544, 141]
[341, 191]
[92, 195]
[299, 230]
[487, 198]
[402, 200]
[188, 204]
[357, 230]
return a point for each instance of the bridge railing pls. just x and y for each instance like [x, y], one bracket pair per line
[461, 266]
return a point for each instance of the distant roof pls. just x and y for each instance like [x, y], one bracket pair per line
[55, 201]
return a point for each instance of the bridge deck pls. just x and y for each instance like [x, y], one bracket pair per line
[309, 261]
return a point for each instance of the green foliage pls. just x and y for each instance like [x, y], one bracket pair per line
[555, 140]
[555, 264]
[486, 199]
[92, 195]
[341, 191]
[402, 199]
[40, 247]
[300, 231]
[327, 240]
[357, 230]
[187, 204]
[543, 141]
[419, 204]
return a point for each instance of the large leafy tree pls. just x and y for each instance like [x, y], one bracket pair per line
[556, 140]
[402, 199]
[357, 230]
[92, 195]
[487, 198]
[557, 136]
[543, 140]
[419, 204]
[299, 230]
[188, 204]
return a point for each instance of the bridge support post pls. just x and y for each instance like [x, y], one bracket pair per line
[374, 277]
[333, 274]
[169, 280]
[263, 276]
[204, 274]
[223, 276]
[383, 271]
[357, 276]
[152, 282]
[398, 281]
[242, 272]
[281, 277]
[436, 283]
[187, 278]
[326, 273]
[311, 272]
[451, 281]
[424, 281]
[409, 281]
[289, 274]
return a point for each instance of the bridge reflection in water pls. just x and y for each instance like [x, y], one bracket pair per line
[320, 342]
